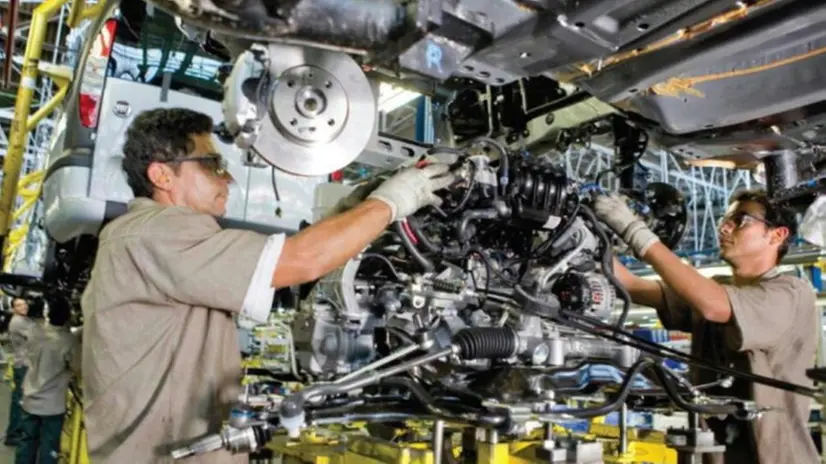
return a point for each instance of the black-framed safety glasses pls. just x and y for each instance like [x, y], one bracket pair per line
[740, 219]
[215, 164]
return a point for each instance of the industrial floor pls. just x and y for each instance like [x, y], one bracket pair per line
[6, 453]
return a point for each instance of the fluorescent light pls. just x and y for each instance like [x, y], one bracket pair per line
[391, 97]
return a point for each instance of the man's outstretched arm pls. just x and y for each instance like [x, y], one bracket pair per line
[701, 293]
[706, 296]
[642, 291]
[328, 244]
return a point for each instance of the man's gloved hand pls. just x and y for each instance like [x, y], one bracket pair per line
[412, 188]
[615, 213]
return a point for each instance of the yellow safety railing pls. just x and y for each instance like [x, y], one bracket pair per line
[24, 122]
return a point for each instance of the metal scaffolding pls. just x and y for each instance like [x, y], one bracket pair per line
[706, 189]
[41, 79]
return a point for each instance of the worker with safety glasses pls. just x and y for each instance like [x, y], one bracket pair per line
[759, 321]
[161, 361]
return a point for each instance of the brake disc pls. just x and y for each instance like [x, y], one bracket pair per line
[306, 111]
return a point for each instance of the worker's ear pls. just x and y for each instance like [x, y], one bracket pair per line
[161, 175]
[778, 235]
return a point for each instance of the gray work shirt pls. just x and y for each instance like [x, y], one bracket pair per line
[161, 361]
[19, 327]
[773, 332]
[50, 354]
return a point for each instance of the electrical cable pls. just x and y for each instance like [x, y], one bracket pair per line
[384, 259]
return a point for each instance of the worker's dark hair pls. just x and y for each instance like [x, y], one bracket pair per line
[775, 215]
[159, 135]
[60, 311]
[36, 306]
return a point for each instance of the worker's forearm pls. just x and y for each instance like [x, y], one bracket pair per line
[328, 244]
[643, 292]
[701, 293]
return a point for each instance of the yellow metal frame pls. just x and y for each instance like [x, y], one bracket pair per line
[23, 121]
[73, 440]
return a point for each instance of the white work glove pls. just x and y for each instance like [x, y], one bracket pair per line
[615, 213]
[413, 188]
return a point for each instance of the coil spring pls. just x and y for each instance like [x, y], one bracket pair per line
[448, 286]
[486, 342]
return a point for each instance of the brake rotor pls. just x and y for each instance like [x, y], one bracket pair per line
[321, 111]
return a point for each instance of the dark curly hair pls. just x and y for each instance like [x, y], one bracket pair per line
[775, 216]
[159, 135]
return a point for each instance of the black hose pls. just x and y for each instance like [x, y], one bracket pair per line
[616, 403]
[429, 403]
[461, 232]
[428, 244]
[421, 260]
[608, 265]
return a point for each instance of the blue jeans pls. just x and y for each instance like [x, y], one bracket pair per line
[13, 431]
[40, 440]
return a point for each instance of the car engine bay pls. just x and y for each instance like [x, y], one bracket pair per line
[489, 312]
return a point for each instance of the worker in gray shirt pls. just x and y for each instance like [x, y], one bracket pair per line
[760, 321]
[19, 327]
[51, 350]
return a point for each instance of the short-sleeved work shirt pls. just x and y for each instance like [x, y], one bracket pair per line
[19, 328]
[773, 332]
[161, 361]
[50, 354]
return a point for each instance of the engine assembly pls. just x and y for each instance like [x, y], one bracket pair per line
[490, 311]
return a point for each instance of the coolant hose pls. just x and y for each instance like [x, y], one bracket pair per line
[421, 260]
[471, 215]
[608, 265]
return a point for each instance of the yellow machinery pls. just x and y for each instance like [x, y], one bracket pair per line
[24, 122]
[353, 446]
[73, 443]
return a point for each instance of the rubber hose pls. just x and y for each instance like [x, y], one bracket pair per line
[624, 391]
[421, 260]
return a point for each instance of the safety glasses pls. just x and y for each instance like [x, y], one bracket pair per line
[215, 164]
[740, 219]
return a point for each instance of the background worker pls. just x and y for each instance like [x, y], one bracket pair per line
[51, 350]
[19, 327]
[760, 322]
[161, 361]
